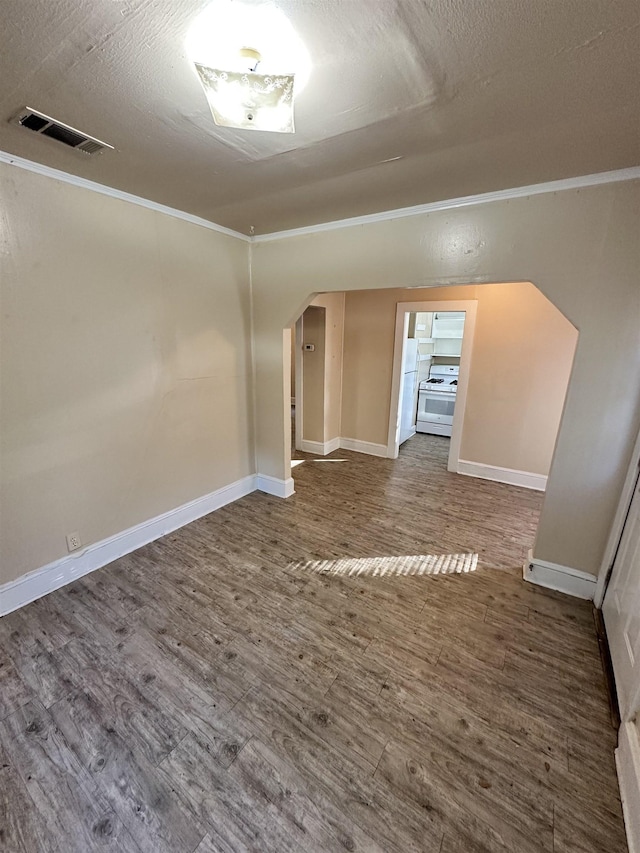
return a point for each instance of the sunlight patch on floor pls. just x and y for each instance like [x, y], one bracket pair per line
[295, 462]
[412, 564]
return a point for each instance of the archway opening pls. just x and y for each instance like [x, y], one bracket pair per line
[517, 370]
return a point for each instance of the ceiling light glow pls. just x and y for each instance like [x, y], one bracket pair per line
[248, 58]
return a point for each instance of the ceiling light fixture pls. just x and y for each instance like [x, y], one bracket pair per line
[247, 59]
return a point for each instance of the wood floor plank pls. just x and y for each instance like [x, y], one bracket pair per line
[266, 712]
[242, 820]
[14, 693]
[571, 834]
[192, 648]
[123, 706]
[593, 762]
[207, 845]
[482, 804]
[294, 658]
[338, 720]
[464, 689]
[45, 673]
[324, 827]
[140, 797]
[179, 692]
[71, 813]
[245, 661]
[223, 739]
[543, 700]
[21, 826]
[393, 821]
[538, 683]
[342, 775]
[419, 721]
[43, 624]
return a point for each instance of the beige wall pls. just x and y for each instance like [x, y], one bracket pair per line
[580, 247]
[125, 366]
[522, 354]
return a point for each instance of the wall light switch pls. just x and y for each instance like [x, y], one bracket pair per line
[73, 541]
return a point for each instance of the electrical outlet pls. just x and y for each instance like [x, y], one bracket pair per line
[73, 541]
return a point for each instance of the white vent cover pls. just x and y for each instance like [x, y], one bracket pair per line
[47, 126]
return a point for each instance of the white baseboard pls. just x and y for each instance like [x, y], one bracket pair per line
[628, 766]
[364, 447]
[317, 447]
[320, 448]
[561, 578]
[42, 581]
[525, 479]
[275, 486]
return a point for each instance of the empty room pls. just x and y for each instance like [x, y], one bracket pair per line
[319, 426]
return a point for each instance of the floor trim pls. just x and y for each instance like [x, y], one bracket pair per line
[364, 447]
[561, 578]
[46, 579]
[628, 767]
[320, 448]
[274, 486]
[317, 447]
[524, 479]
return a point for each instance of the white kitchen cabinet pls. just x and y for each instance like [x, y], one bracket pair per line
[448, 325]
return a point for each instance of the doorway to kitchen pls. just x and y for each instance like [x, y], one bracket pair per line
[431, 366]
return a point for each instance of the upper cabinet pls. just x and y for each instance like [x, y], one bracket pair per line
[438, 334]
[449, 324]
[447, 330]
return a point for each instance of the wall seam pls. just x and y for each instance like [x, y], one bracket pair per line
[252, 357]
[344, 312]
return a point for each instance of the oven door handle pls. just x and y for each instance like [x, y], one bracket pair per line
[447, 395]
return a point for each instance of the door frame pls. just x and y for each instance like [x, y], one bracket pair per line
[470, 307]
[625, 671]
[628, 751]
[298, 332]
[617, 527]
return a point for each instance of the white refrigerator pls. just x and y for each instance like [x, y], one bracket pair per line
[409, 388]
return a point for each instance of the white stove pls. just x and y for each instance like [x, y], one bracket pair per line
[437, 399]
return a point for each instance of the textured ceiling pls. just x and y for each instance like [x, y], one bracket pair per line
[408, 102]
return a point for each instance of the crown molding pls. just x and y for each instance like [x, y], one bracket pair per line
[582, 181]
[93, 186]
[613, 177]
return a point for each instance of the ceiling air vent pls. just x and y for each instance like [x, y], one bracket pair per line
[47, 126]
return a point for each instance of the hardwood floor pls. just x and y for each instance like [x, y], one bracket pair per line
[288, 676]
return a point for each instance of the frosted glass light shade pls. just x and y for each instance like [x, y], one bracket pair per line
[248, 100]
